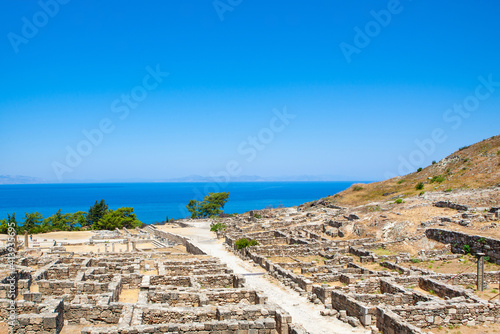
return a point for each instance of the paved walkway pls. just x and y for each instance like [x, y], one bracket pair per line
[302, 311]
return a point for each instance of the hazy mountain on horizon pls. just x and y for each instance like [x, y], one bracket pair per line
[21, 179]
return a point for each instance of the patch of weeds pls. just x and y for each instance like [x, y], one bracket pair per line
[419, 186]
[401, 181]
[415, 260]
[481, 240]
[449, 190]
[398, 201]
[357, 188]
[374, 208]
[433, 293]
[421, 193]
[438, 179]
[466, 249]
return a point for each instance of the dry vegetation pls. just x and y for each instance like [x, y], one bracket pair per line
[473, 167]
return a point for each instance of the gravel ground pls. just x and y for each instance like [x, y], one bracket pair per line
[302, 311]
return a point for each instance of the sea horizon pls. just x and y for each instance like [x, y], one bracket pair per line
[154, 201]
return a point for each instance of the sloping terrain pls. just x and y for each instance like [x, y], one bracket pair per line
[473, 167]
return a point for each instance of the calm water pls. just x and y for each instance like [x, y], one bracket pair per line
[152, 202]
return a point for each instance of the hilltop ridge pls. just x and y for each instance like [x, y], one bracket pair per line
[472, 167]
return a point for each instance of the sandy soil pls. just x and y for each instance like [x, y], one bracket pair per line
[129, 296]
[487, 329]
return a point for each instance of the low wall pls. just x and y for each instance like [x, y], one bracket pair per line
[457, 240]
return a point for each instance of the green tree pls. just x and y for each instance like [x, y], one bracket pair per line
[193, 208]
[212, 205]
[31, 222]
[96, 212]
[4, 228]
[56, 222]
[119, 218]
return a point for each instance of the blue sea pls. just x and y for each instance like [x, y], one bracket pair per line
[153, 202]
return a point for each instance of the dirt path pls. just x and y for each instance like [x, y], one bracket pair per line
[302, 311]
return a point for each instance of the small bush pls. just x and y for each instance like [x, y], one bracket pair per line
[437, 179]
[421, 193]
[256, 215]
[466, 249]
[419, 186]
[481, 240]
[434, 162]
[244, 243]
[401, 181]
[415, 260]
[449, 190]
[398, 201]
[466, 159]
[463, 148]
[357, 188]
[419, 170]
[218, 227]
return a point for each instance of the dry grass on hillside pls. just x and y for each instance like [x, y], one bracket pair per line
[472, 167]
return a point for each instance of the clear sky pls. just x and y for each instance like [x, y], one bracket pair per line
[354, 84]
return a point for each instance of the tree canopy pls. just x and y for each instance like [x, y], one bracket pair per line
[119, 218]
[99, 217]
[212, 205]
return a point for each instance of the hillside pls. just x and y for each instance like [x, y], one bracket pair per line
[473, 167]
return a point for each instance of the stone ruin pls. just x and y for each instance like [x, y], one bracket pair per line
[134, 292]
[384, 293]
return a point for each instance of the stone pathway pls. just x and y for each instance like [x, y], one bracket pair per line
[302, 311]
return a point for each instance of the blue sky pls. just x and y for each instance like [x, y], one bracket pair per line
[67, 67]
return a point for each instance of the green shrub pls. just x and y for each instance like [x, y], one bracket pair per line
[357, 188]
[256, 215]
[449, 190]
[419, 186]
[421, 193]
[244, 243]
[218, 227]
[398, 201]
[415, 260]
[466, 159]
[466, 249]
[438, 179]
[419, 170]
[401, 181]
[434, 162]
[463, 148]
